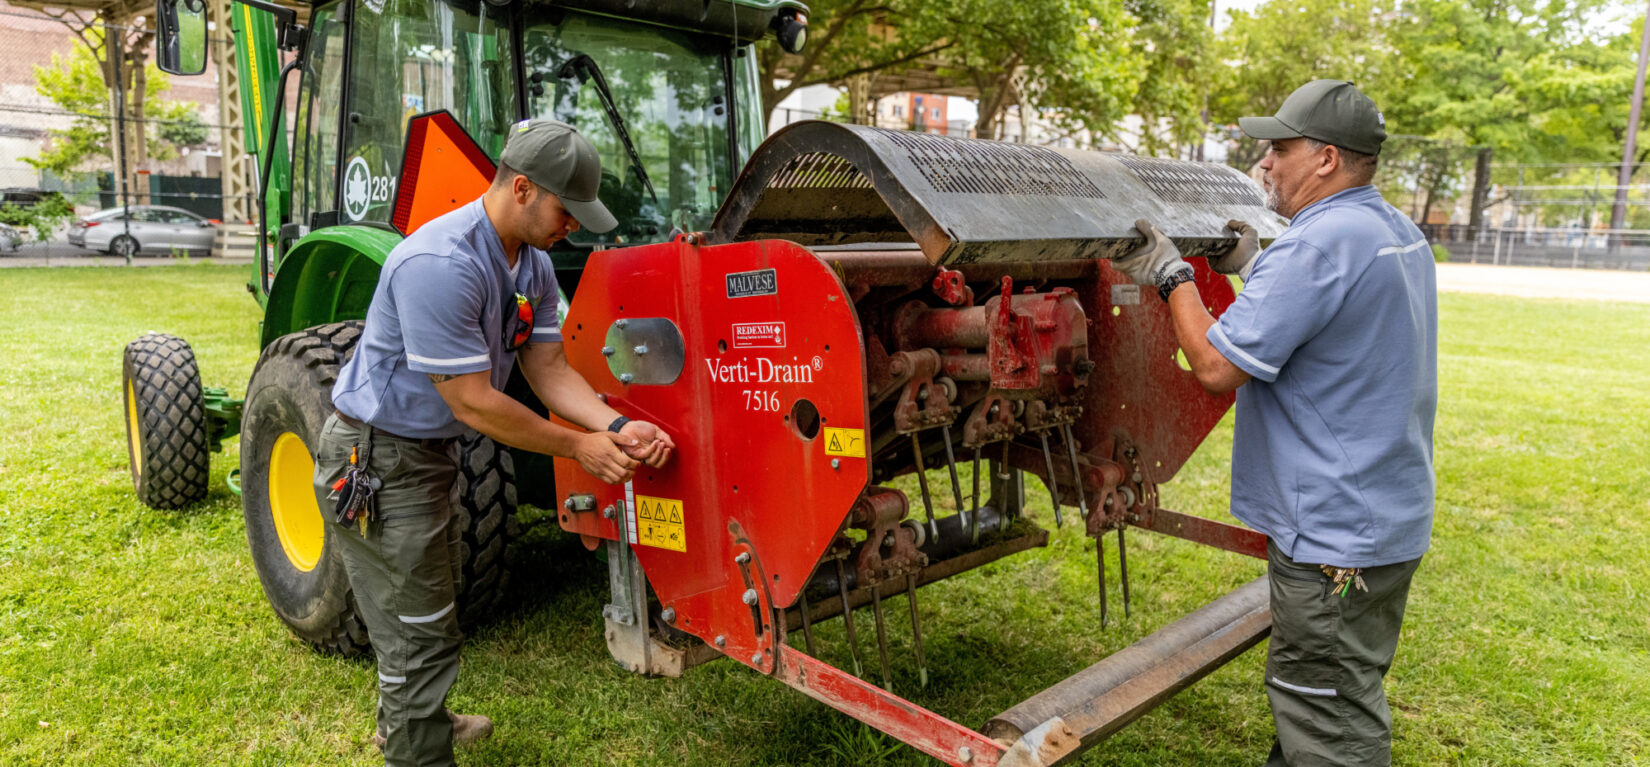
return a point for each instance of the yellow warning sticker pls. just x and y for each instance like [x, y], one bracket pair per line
[659, 523]
[848, 443]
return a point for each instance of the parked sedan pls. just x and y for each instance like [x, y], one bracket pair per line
[147, 229]
[10, 238]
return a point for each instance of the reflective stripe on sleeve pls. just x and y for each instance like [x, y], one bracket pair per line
[1397, 251]
[448, 361]
[387, 679]
[1270, 370]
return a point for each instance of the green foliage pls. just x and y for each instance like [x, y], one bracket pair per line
[76, 85]
[1440, 254]
[43, 217]
[1173, 39]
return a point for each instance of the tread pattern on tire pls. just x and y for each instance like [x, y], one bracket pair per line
[484, 510]
[166, 381]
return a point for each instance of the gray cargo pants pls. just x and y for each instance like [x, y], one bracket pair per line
[401, 570]
[1326, 661]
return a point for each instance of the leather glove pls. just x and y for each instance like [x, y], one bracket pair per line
[1240, 260]
[1154, 262]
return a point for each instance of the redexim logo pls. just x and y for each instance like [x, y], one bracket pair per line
[762, 282]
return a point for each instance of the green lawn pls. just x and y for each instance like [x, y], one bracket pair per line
[135, 637]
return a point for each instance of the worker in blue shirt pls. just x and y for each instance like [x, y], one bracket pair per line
[1332, 349]
[458, 304]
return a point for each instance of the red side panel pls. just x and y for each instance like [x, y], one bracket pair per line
[442, 168]
[767, 331]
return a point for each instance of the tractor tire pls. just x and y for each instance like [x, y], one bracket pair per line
[287, 402]
[484, 511]
[124, 246]
[303, 576]
[166, 440]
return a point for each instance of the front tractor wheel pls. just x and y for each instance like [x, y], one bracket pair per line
[166, 441]
[303, 576]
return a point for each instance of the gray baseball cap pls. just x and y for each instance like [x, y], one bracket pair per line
[1331, 111]
[553, 155]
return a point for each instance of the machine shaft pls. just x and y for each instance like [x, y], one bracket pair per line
[916, 628]
[922, 482]
[951, 466]
[807, 624]
[882, 636]
[974, 513]
[1123, 567]
[1100, 556]
[848, 617]
[1076, 469]
[1053, 484]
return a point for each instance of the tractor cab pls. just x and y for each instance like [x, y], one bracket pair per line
[666, 91]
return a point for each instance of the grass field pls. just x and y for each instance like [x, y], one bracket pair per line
[135, 637]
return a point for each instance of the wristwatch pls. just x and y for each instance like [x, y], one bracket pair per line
[1171, 282]
[618, 423]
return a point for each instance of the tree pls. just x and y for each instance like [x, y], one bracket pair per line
[76, 84]
[1284, 44]
[846, 39]
[1175, 42]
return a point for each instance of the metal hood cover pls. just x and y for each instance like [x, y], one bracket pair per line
[965, 200]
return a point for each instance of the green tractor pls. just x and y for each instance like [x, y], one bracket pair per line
[666, 90]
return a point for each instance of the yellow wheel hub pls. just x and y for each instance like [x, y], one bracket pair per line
[292, 502]
[132, 436]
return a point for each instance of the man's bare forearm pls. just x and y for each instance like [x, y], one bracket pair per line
[479, 406]
[1191, 328]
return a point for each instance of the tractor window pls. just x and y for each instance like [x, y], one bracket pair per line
[415, 56]
[670, 90]
[315, 164]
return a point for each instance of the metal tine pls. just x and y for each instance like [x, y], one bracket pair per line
[1076, 470]
[882, 637]
[848, 617]
[1004, 474]
[974, 514]
[1123, 567]
[916, 627]
[1053, 484]
[1100, 556]
[922, 481]
[951, 465]
[807, 622]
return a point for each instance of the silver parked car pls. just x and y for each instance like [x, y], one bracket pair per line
[10, 238]
[149, 229]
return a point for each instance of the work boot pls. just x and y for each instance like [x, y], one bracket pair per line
[469, 728]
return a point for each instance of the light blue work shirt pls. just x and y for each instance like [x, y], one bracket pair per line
[441, 306]
[1338, 325]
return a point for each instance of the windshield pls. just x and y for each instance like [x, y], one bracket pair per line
[670, 92]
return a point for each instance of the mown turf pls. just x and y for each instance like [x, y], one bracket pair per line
[135, 637]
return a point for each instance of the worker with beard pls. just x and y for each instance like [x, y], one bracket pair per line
[458, 303]
[1332, 349]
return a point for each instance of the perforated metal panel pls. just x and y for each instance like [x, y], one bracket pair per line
[967, 200]
[992, 167]
[1177, 181]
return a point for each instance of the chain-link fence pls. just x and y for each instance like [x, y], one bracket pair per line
[89, 124]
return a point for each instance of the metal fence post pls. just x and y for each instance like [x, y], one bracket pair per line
[115, 48]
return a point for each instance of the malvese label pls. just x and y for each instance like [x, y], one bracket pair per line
[762, 282]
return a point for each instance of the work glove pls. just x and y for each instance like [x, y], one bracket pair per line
[1155, 262]
[1240, 260]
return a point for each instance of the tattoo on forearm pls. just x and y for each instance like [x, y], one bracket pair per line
[440, 377]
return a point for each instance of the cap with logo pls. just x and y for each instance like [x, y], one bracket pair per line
[1331, 111]
[553, 155]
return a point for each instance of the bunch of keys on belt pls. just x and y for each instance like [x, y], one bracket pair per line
[354, 491]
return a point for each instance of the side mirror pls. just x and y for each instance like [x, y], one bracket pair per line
[180, 47]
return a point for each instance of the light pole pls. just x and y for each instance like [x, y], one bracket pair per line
[1618, 214]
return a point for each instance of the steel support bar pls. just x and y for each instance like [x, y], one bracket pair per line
[918, 727]
[1062, 721]
[1239, 540]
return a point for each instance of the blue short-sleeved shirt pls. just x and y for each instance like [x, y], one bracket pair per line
[440, 307]
[1338, 325]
